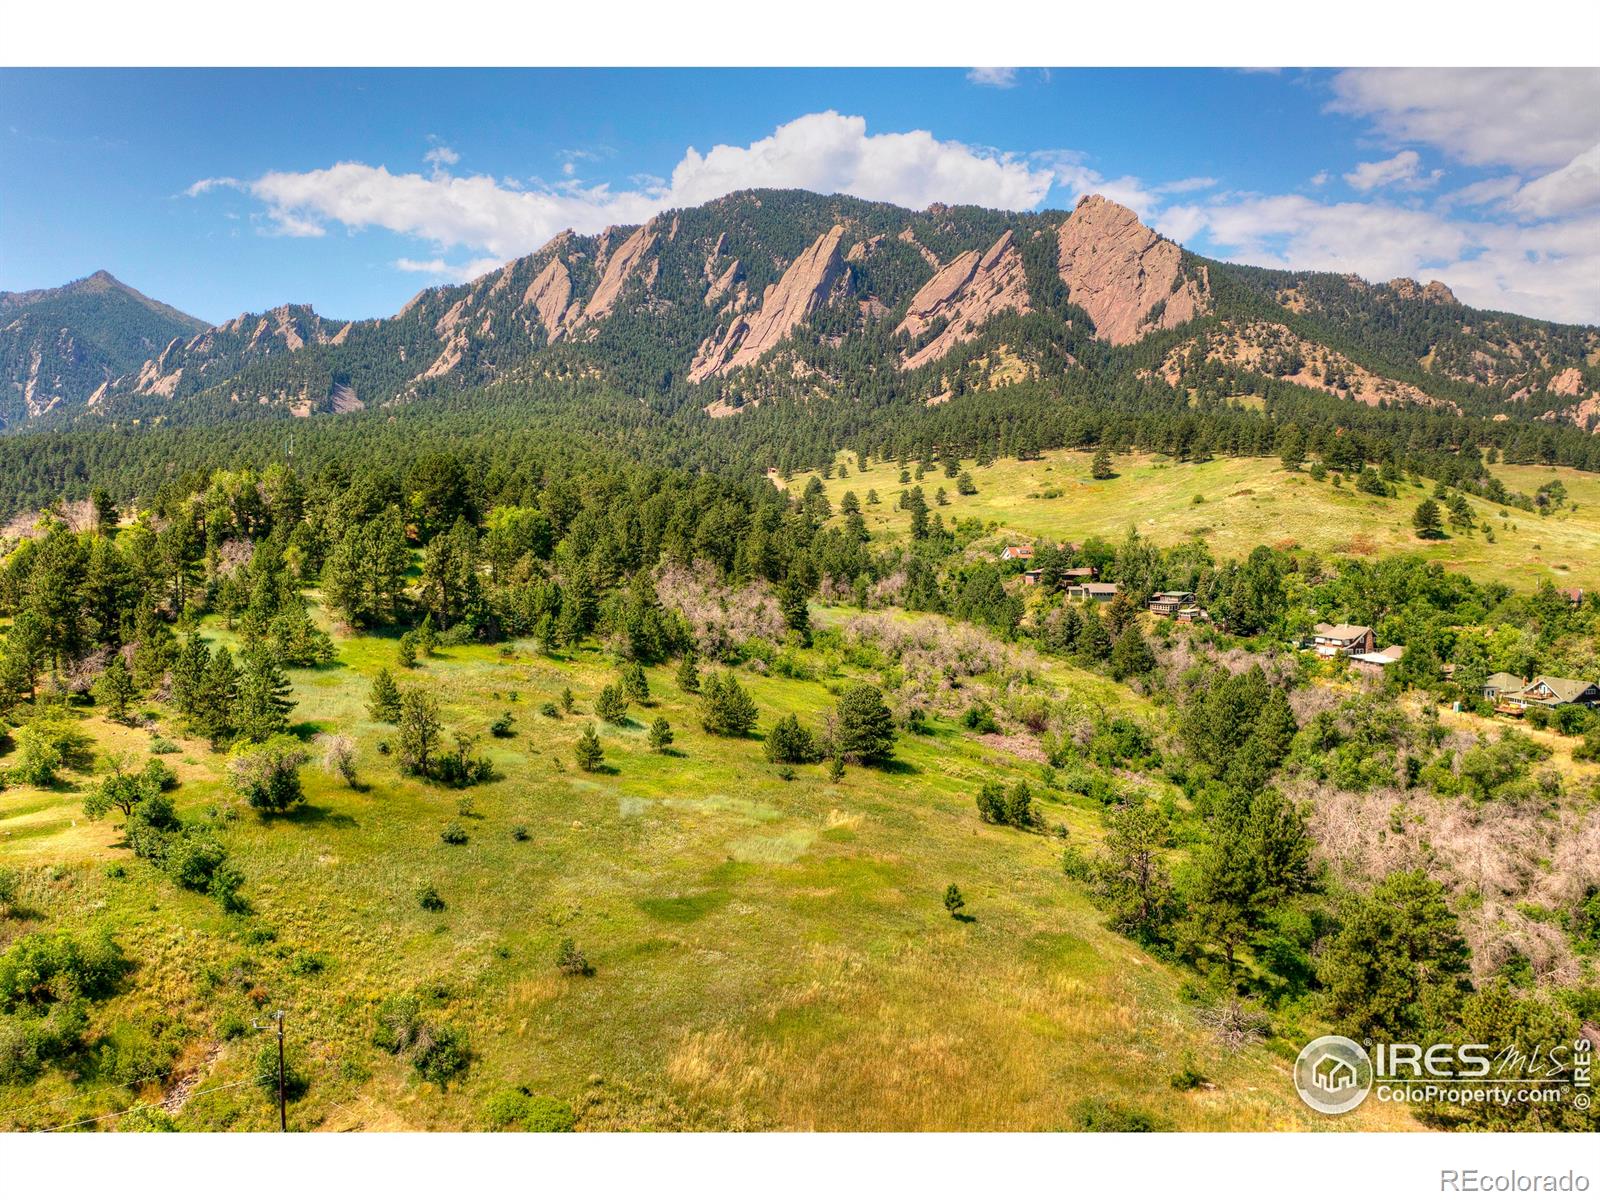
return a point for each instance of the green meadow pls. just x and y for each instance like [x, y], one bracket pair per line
[1236, 504]
[769, 952]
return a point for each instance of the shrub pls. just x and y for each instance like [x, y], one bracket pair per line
[397, 1023]
[45, 745]
[147, 1118]
[295, 1081]
[267, 774]
[572, 961]
[429, 899]
[660, 735]
[501, 726]
[440, 1053]
[1107, 1116]
[453, 834]
[518, 1109]
[549, 709]
[161, 745]
[979, 718]
[339, 756]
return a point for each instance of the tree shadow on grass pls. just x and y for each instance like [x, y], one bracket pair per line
[965, 918]
[316, 814]
[895, 766]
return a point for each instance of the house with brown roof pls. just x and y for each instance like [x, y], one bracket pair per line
[1033, 575]
[1549, 691]
[1574, 596]
[1080, 573]
[1330, 641]
[1100, 593]
[1016, 553]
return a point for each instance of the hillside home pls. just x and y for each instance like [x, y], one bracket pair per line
[1100, 593]
[1080, 573]
[1502, 683]
[1332, 640]
[1547, 691]
[1574, 596]
[1377, 660]
[1016, 553]
[1168, 604]
[1033, 575]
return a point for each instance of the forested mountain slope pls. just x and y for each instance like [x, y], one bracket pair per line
[62, 346]
[765, 295]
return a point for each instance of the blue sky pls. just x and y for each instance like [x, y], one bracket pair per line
[227, 191]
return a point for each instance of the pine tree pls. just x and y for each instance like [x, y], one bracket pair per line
[635, 683]
[1426, 520]
[420, 730]
[660, 735]
[1094, 643]
[726, 708]
[219, 693]
[688, 676]
[953, 902]
[611, 706]
[1101, 468]
[865, 724]
[115, 688]
[264, 699]
[383, 700]
[589, 753]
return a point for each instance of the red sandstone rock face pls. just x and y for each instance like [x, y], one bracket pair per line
[550, 297]
[1567, 383]
[799, 293]
[1434, 293]
[619, 268]
[968, 292]
[1117, 271]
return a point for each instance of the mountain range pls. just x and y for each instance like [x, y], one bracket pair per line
[786, 293]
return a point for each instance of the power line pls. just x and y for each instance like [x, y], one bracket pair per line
[221, 1087]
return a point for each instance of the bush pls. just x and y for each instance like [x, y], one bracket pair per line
[501, 726]
[161, 745]
[519, 833]
[429, 899]
[518, 1109]
[45, 746]
[397, 1023]
[147, 1118]
[440, 1053]
[572, 961]
[549, 709]
[453, 835]
[267, 774]
[979, 718]
[295, 1081]
[1107, 1116]
[660, 735]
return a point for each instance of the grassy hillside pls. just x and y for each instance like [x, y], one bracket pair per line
[768, 953]
[1246, 502]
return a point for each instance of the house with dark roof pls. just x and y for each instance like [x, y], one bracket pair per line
[1332, 640]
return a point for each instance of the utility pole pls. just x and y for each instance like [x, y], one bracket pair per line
[283, 1107]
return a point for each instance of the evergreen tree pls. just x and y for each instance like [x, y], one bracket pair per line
[420, 730]
[790, 742]
[726, 708]
[589, 753]
[1131, 656]
[688, 676]
[383, 699]
[264, 694]
[1130, 877]
[611, 706]
[219, 693]
[635, 684]
[660, 735]
[1427, 520]
[953, 902]
[864, 723]
[1101, 467]
[114, 688]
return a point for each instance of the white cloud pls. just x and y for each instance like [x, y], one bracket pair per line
[1193, 184]
[455, 272]
[440, 157]
[995, 77]
[1070, 173]
[824, 152]
[1403, 170]
[1320, 179]
[1550, 270]
[1571, 188]
[1537, 118]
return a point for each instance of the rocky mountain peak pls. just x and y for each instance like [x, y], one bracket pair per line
[1127, 277]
